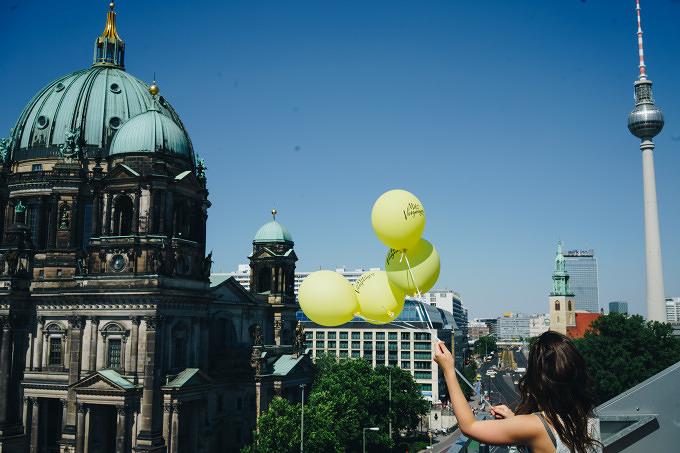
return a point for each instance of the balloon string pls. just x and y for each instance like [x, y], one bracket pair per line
[410, 271]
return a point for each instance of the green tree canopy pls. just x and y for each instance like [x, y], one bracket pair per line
[485, 345]
[621, 351]
[346, 397]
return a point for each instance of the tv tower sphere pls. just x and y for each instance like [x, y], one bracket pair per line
[646, 120]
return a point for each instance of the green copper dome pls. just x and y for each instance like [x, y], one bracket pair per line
[272, 232]
[80, 113]
[151, 132]
[93, 103]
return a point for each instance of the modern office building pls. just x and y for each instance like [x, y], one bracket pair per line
[513, 326]
[673, 309]
[242, 275]
[477, 329]
[618, 306]
[583, 279]
[407, 342]
[449, 301]
[491, 323]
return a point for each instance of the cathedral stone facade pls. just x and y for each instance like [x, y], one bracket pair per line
[112, 338]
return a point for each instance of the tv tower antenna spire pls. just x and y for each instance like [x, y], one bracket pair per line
[642, 75]
[645, 122]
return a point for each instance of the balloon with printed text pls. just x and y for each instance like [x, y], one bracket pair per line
[328, 298]
[414, 270]
[398, 219]
[379, 301]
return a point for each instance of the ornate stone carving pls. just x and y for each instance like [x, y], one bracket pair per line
[151, 322]
[71, 146]
[76, 322]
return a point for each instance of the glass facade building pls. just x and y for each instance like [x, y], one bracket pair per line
[618, 307]
[583, 279]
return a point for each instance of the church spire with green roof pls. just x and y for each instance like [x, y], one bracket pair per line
[560, 276]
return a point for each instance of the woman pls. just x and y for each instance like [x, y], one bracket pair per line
[555, 412]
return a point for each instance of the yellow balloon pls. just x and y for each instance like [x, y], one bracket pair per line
[424, 262]
[398, 219]
[328, 298]
[379, 301]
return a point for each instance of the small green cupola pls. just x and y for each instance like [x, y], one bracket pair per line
[109, 49]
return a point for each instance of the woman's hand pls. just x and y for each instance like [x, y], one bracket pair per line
[502, 411]
[443, 356]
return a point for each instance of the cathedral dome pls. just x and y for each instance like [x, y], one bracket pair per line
[151, 132]
[80, 113]
[272, 232]
[94, 103]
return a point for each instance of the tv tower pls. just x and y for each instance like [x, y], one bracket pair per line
[645, 122]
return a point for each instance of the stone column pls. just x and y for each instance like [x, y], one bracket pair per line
[35, 403]
[96, 214]
[5, 362]
[174, 430]
[69, 432]
[164, 202]
[80, 432]
[86, 435]
[134, 345]
[107, 214]
[38, 344]
[73, 225]
[52, 223]
[94, 340]
[150, 437]
[135, 214]
[167, 410]
[121, 429]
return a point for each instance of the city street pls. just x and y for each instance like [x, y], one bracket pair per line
[503, 390]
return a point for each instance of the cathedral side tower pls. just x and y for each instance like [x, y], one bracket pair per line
[272, 276]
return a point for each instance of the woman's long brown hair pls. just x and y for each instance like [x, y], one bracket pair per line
[557, 383]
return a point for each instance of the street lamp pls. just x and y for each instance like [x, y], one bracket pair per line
[302, 419]
[375, 428]
[390, 433]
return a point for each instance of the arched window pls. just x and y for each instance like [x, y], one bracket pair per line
[114, 335]
[569, 305]
[557, 305]
[55, 335]
[122, 220]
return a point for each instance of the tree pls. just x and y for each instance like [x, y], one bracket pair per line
[407, 402]
[621, 351]
[485, 345]
[279, 429]
[347, 396]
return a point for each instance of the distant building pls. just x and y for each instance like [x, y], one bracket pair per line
[618, 307]
[538, 324]
[673, 309]
[450, 301]
[477, 329]
[406, 342]
[583, 279]
[492, 324]
[513, 326]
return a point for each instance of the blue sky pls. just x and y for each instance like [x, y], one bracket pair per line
[507, 119]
